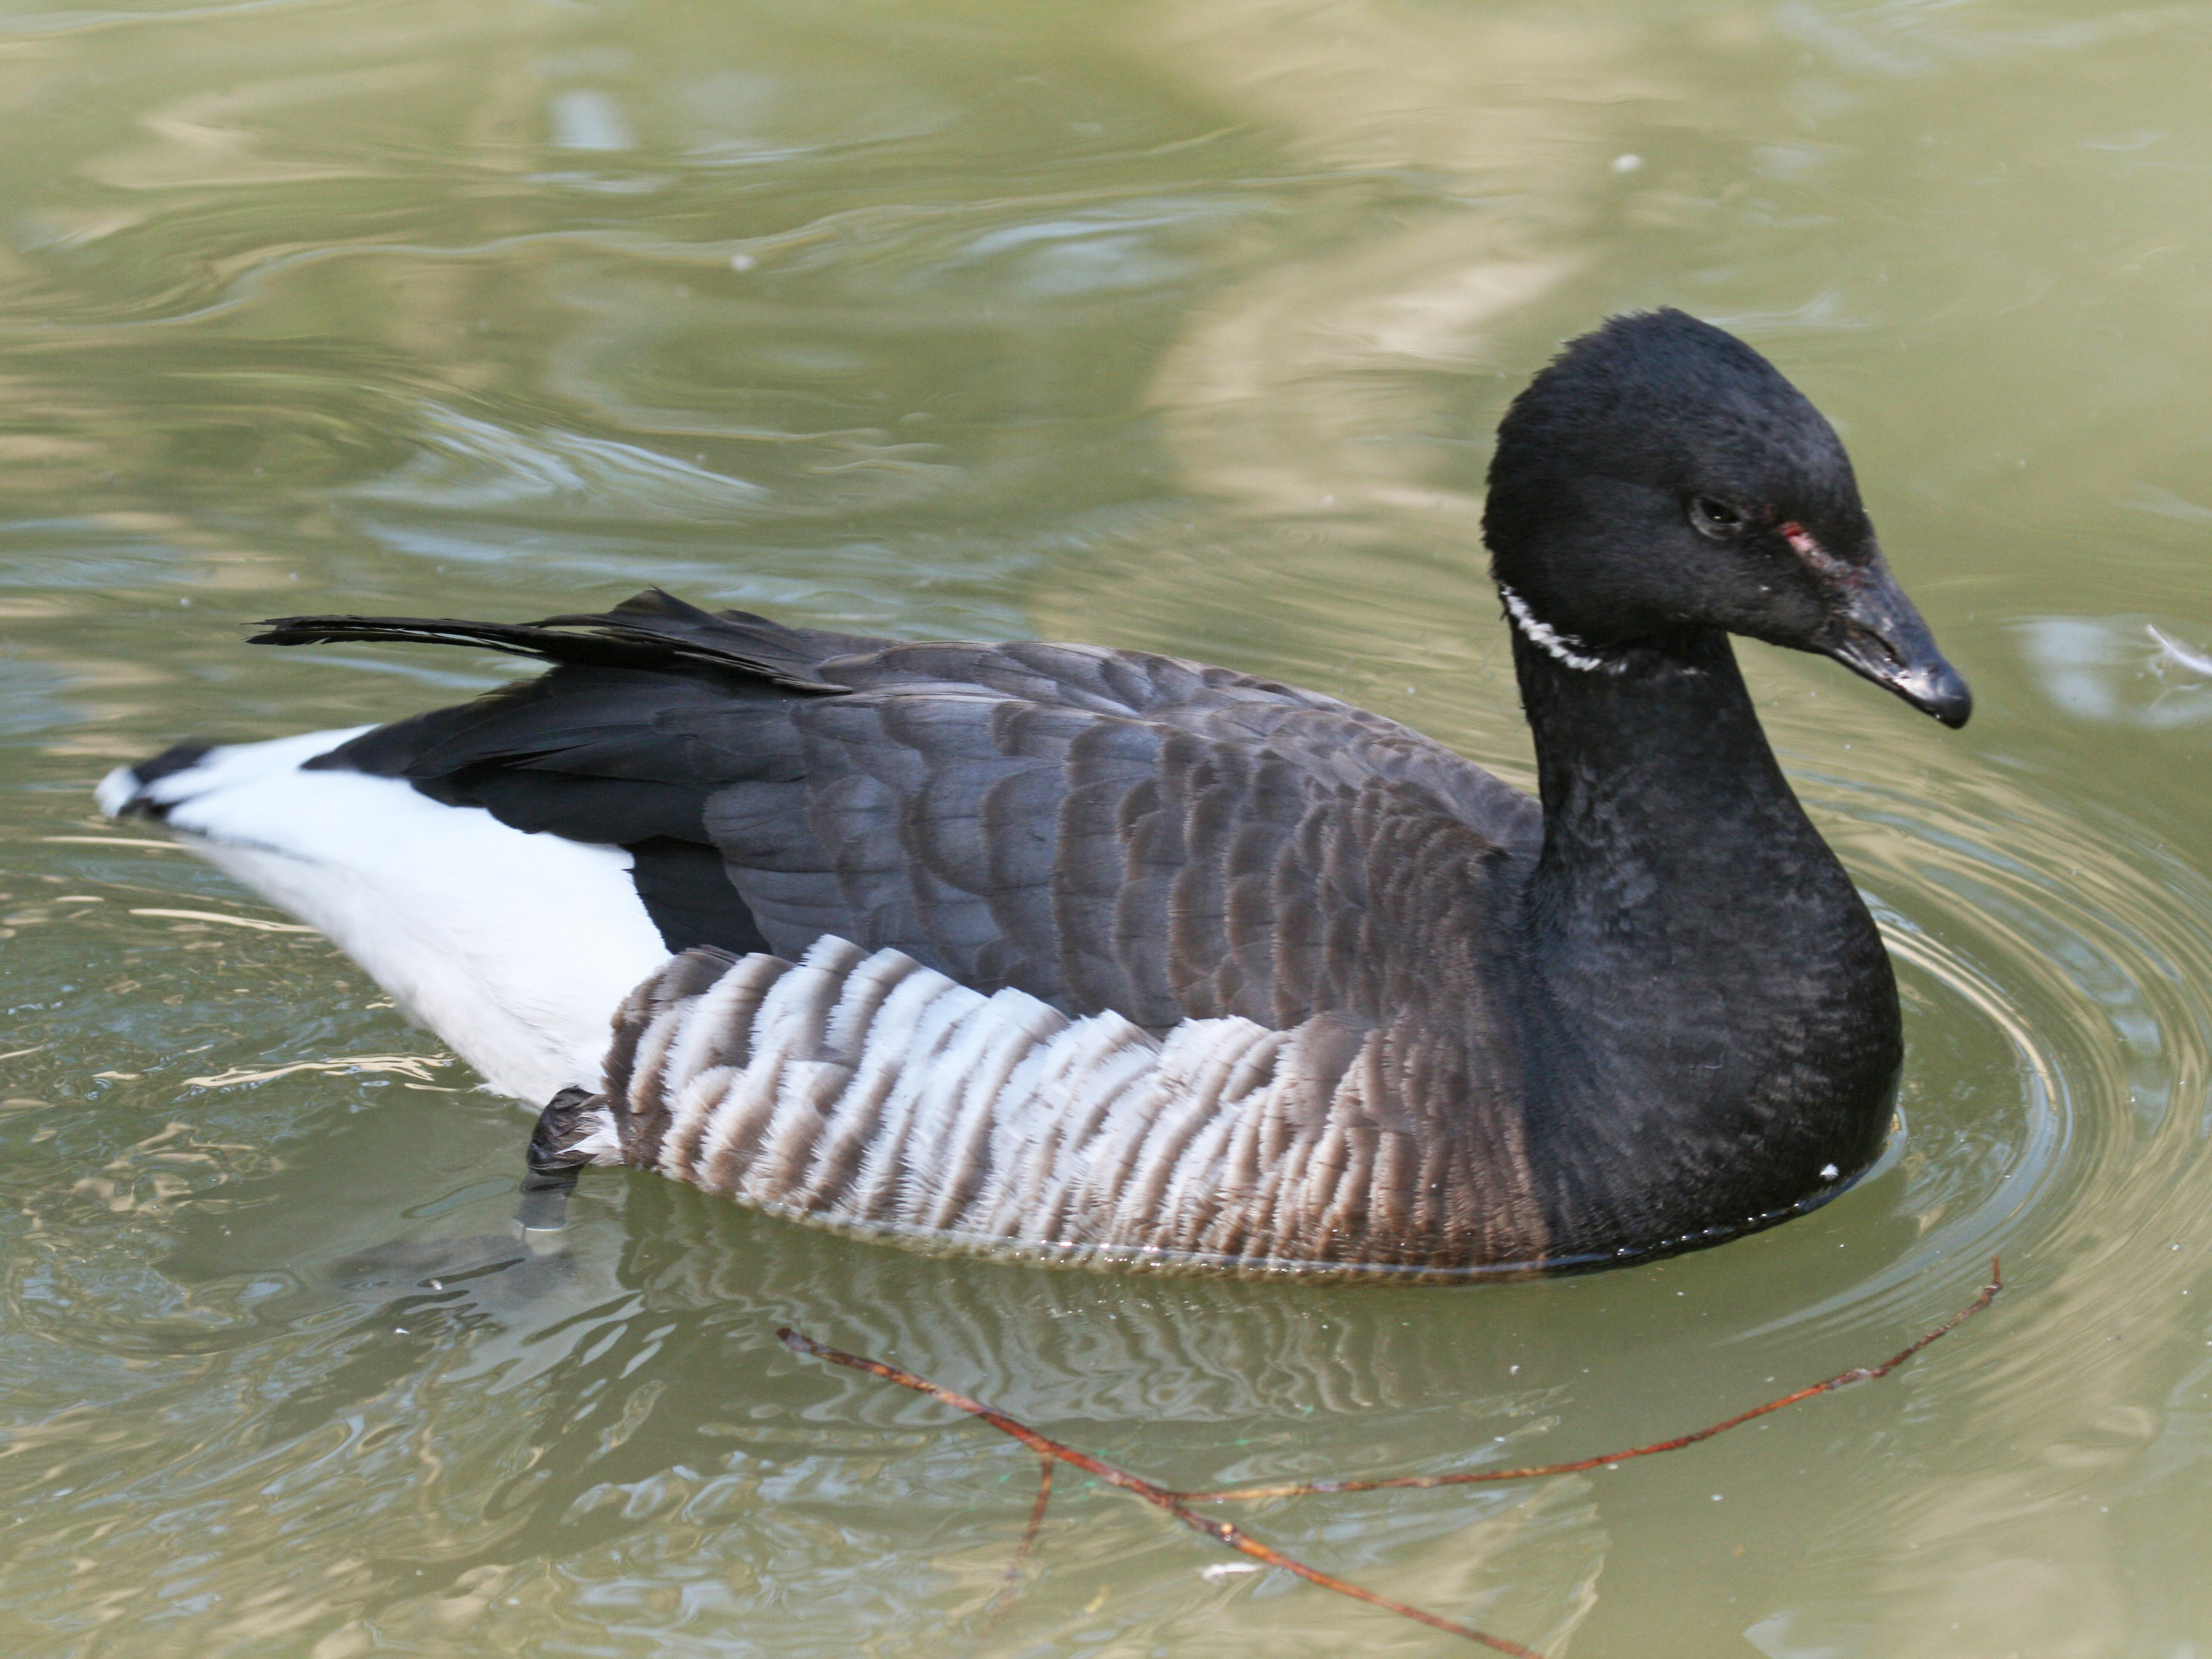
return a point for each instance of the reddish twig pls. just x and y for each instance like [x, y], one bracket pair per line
[1222, 1532]
[1422, 1482]
[1011, 1581]
[1049, 1451]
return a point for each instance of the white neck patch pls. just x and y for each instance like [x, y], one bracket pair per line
[1562, 647]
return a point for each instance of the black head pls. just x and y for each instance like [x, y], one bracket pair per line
[1660, 477]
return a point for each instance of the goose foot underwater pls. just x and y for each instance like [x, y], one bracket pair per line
[1091, 955]
[554, 1159]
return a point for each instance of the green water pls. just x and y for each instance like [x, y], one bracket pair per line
[1180, 325]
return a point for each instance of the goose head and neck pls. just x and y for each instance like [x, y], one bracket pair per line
[1713, 1016]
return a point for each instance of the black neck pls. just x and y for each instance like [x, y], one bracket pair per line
[1717, 1021]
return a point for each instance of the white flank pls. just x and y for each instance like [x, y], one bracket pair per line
[864, 1092]
[1565, 647]
[515, 949]
[602, 1142]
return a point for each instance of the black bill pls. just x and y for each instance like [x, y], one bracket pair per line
[1877, 633]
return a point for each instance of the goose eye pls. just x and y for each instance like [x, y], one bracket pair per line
[1716, 518]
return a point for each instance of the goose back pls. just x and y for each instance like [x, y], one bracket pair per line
[1104, 830]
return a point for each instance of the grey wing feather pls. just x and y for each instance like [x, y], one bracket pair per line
[1109, 830]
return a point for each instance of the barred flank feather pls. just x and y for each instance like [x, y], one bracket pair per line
[865, 1092]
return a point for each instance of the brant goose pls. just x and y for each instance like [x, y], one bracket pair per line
[1081, 954]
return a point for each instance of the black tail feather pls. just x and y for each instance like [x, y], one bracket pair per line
[651, 630]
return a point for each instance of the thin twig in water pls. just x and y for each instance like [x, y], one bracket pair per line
[1049, 1451]
[1422, 1482]
[1011, 1582]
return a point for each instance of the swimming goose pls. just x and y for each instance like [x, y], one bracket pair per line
[1081, 954]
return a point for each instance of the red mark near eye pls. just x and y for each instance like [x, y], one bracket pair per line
[1802, 540]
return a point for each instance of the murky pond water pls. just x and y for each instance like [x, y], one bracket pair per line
[1174, 325]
